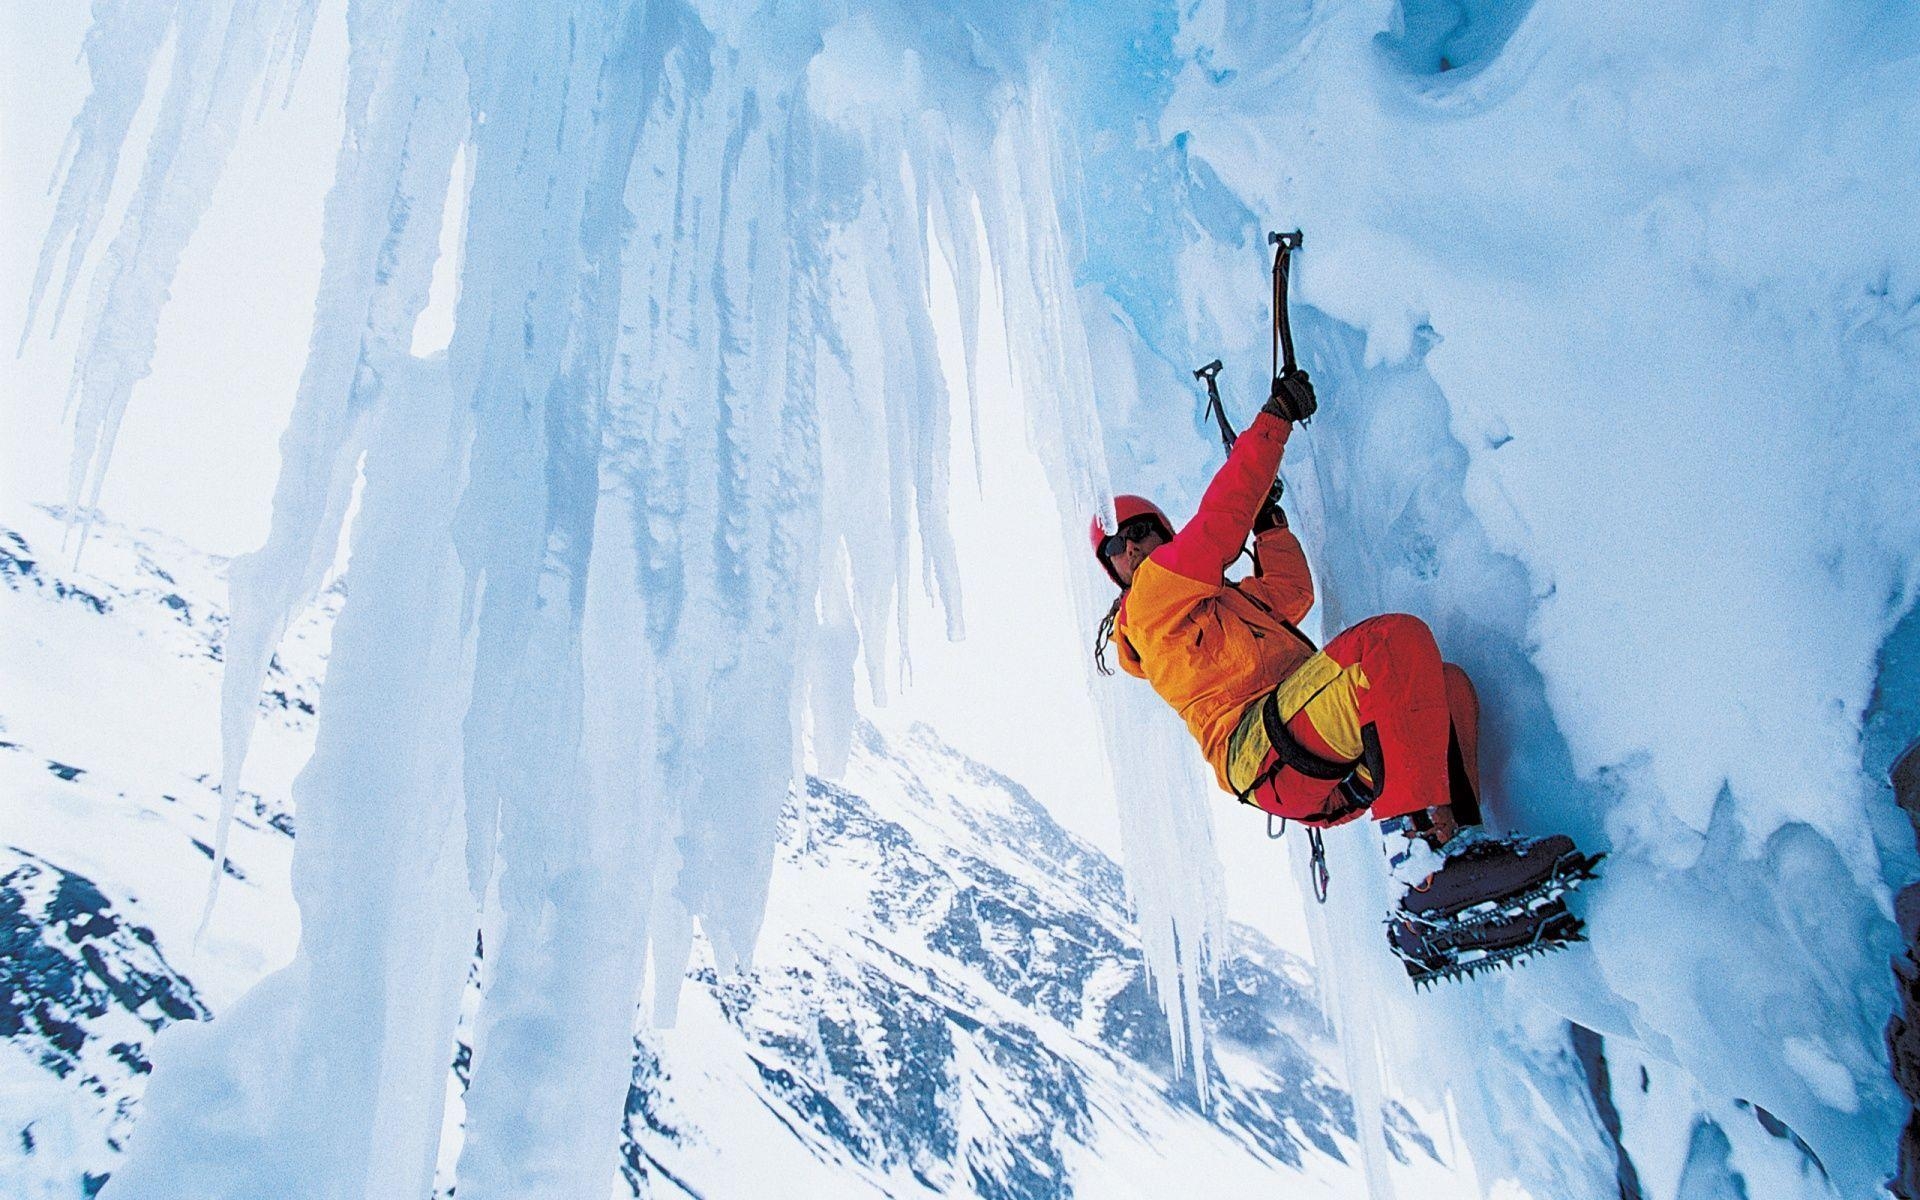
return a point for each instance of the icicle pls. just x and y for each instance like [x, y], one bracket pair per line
[369, 1003]
[830, 680]
[953, 214]
[864, 504]
[1173, 872]
[928, 401]
[891, 384]
[121, 45]
[215, 70]
[290, 44]
[405, 120]
[724, 553]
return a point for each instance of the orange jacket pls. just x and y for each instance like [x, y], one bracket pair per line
[1209, 647]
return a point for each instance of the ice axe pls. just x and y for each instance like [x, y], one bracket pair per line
[1210, 374]
[1284, 244]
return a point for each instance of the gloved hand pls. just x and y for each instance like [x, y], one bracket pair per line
[1292, 398]
[1271, 515]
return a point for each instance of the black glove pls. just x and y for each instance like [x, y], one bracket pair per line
[1271, 515]
[1292, 397]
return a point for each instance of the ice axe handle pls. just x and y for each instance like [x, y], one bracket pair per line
[1284, 245]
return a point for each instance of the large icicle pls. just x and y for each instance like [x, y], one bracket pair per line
[1173, 871]
[558, 107]
[406, 117]
[328, 1078]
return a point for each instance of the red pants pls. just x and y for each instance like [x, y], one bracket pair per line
[1407, 721]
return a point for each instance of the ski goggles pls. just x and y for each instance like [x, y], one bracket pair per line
[1115, 543]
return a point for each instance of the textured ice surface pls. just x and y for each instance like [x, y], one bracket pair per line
[1616, 349]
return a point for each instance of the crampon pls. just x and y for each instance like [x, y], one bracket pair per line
[1496, 902]
[1432, 956]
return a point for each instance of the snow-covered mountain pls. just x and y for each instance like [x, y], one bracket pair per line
[949, 998]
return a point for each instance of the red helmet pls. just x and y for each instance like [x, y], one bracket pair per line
[1126, 507]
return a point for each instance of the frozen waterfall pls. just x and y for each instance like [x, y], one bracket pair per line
[1613, 312]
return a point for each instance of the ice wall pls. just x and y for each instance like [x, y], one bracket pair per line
[1614, 324]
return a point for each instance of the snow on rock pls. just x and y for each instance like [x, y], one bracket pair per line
[81, 990]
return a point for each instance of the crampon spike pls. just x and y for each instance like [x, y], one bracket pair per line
[1428, 963]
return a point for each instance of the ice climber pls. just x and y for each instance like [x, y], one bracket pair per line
[1375, 722]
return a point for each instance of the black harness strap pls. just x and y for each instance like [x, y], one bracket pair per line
[1290, 753]
[1372, 758]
